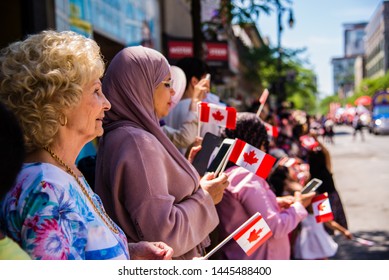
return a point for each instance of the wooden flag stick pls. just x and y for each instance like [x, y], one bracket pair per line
[262, 101]
[221, 244]
[198, 115]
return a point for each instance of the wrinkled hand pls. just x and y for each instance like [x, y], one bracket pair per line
[304, 199]
[214, 186]
[144, 250]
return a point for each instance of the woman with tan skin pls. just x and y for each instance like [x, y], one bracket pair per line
[51, 81]
[154, 193]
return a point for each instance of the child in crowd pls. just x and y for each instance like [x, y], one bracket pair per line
[312, 240]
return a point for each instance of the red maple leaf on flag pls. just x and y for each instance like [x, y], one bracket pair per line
[218, 116]
[250, 157]
[254, 235]
[321, 206]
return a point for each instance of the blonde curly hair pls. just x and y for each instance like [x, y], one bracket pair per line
[43, 76]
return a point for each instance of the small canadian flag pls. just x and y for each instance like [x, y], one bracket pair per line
[222, 116]
[251, 158]
[253, 234]
[308, 142]
[287, 162]
[271, 130]
[322, 208]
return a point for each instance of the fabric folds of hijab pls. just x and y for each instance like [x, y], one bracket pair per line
[130, 87]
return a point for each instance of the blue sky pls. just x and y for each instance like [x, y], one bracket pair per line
[319, 27]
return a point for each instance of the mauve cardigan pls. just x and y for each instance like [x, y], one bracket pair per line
[145, 183]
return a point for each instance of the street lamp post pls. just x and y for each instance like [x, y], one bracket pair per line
[280, 84]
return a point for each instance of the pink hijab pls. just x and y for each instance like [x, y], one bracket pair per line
[129, 84]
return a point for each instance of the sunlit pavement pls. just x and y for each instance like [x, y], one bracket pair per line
[362, 179]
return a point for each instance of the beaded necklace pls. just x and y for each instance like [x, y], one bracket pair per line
[104, 216]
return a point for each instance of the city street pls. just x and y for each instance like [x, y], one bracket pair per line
[361, 176]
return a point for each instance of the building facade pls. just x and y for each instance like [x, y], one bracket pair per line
[377, 42]
[343, 76]
[348, 70]
[354, 34]
[165, 25]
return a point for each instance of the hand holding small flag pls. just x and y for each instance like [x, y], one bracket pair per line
[322, 208]
[249, 236]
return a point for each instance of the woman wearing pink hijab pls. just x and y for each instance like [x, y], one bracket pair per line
[149, 188]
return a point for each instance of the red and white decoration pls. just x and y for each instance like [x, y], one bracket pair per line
[271, 130]
[287, 162]
[253, 235]
[308, 142]
[322, 208]
[219, 115]
[251, 158]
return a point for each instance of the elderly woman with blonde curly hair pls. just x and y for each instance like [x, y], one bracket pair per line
[51, 81]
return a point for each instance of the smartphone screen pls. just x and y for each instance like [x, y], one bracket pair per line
[204, 156]
[311, 186]
[219, 154]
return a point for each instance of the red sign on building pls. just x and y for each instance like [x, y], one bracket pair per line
[216, 51]
[179, 49]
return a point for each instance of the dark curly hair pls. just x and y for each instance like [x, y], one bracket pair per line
[250, 129]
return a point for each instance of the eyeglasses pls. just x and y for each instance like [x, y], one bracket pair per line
[168, 84]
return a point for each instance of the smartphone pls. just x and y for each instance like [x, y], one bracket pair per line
[312, 186]
[203, 158]
[218, 154]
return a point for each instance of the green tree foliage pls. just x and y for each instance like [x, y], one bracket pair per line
[325, 103]
[302, 89]
[368, 86]
[260, 69]
[232, 12]
[260, 64]
[249, 11]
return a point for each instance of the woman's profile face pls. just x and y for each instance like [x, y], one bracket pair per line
[162, 97]
[86, 119]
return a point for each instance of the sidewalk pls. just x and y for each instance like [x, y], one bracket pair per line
[359, 172]
[352, 250]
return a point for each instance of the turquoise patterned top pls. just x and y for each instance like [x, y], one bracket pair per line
[49, 216]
